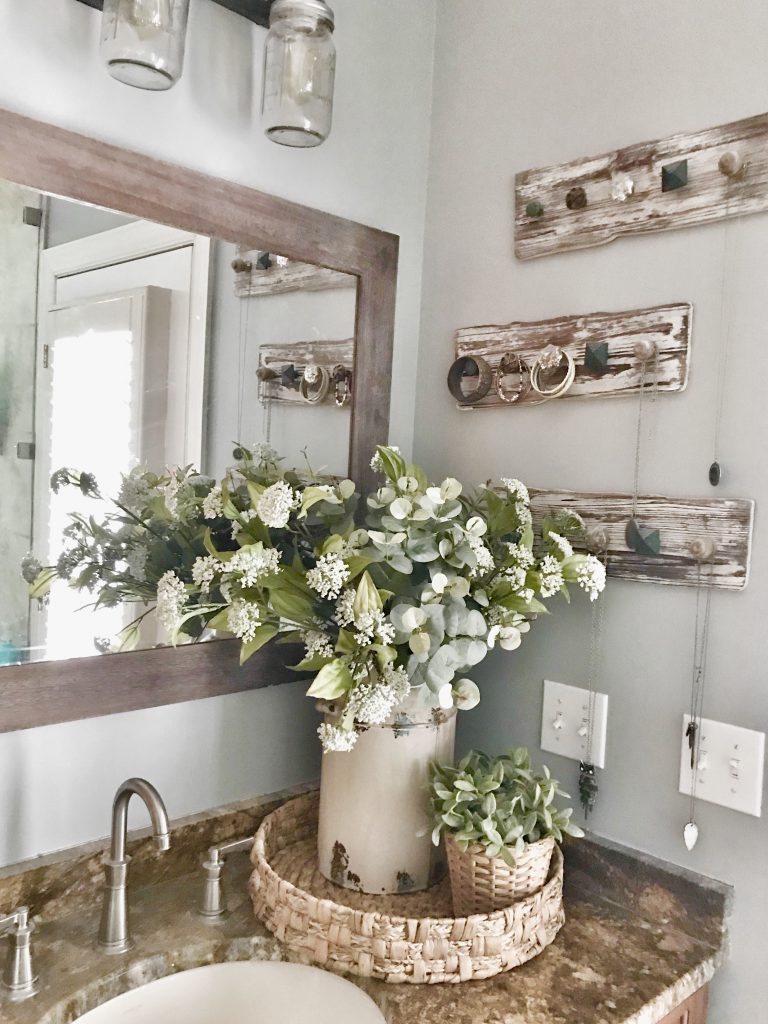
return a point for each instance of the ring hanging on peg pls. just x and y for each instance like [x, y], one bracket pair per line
[731, 164]
[702, 549]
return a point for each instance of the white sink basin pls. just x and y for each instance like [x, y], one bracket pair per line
[260, 992]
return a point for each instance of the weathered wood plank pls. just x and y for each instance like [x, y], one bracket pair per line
[728, 523]
[300, 354]
[253, 281]
[669, 327]
[710, 194]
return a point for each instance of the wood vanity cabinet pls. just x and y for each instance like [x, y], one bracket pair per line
[692, 1011]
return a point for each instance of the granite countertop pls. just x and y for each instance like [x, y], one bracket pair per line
[639, 938]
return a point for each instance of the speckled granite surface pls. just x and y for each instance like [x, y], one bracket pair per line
[640, 937]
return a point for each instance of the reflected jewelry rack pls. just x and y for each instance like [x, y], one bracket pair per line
[600, 352]
[259, 272]
[307, 372]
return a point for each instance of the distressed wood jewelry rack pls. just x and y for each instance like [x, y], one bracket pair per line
[258, 272]
[298, 355]
[676, 182]
[610, 336]
[682, 523]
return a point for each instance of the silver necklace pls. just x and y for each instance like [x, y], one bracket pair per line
[588, 785]
[698, 683]
[643, 541]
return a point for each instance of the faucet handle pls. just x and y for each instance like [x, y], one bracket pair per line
[19, 979]
[212, 906]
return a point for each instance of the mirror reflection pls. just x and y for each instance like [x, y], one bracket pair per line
[139, 365]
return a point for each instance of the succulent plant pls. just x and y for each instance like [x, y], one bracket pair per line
[498, 803]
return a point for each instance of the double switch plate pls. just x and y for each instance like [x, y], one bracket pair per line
[729, 766]
[565, 722]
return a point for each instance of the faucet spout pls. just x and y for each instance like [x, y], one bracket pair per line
[114, 935]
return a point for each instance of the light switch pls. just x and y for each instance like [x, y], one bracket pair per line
[565, 720]
[729, 770]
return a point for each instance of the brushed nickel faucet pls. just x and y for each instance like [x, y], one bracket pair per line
[213, 904]
[114, 934]
[19, 979]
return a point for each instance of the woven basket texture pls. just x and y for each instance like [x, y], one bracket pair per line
[481, 884]
[412, 937]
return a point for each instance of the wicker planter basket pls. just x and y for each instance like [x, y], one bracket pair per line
[481, 884]
[397, 938]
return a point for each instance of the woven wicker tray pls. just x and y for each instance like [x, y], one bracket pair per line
[408, 938]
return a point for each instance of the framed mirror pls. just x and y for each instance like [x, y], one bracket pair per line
[158, 325]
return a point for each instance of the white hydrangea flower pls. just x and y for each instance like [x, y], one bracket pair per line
[252, 565]
[136, 560]
[264, 453]
[317, 643]
[562, 544]
[514, 575]
[551, 576]
[213, 504]
[171, 599]
[376, 463]
[374, 701]
[335, 739]
[485, 562]
[328, 576]
[134, 490]
[521, 554]
[275, 504]
[523, 513]
[516, 489]
[373, 626]
[345, 615]
[204, 570]
[591, 576]
[170, 493]
[243, 619]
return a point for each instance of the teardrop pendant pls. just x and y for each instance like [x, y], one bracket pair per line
[691, 835]
[714, 473]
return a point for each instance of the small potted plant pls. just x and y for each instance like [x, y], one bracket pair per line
[500, 824]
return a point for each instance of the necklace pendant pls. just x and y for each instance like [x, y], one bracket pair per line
[642, 540]
[715, 473]
[587, 787]
[691, 835]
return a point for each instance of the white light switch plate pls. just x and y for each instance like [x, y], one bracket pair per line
[564, 721]
[730, 769]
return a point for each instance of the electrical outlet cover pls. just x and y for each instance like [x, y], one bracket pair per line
[564, 721]
[730, 766]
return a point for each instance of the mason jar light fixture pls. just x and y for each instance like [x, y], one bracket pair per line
[142, 41]
[299, 69]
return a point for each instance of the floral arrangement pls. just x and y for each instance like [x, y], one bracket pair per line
[405, 598]
[501, 804]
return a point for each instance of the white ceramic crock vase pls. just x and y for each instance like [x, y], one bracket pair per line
[375, 829]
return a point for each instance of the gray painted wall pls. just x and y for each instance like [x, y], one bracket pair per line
[527, 84]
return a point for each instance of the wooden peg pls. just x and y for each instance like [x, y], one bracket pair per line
[731, 164]
[644, 349]
[241, 266]
[265, 373]
[702, 549]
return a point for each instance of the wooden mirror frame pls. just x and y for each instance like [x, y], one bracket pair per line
[57, 161]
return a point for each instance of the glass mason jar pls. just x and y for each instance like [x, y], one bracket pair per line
[299, 69]
[142, 41]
